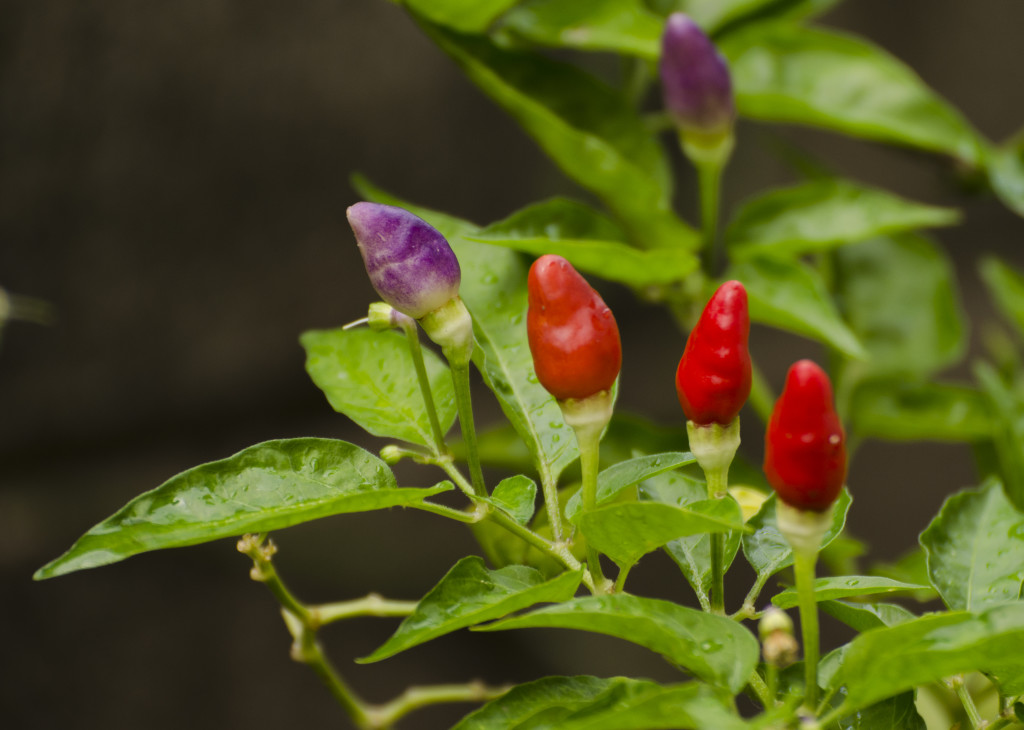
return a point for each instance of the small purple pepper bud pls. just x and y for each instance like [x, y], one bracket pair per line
[695, 80]
[410, 263]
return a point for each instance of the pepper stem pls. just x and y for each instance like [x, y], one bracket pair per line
[804, 530]
[709, 154]
[715, 446]
[588, 418]
[460, 379]
[413, 336]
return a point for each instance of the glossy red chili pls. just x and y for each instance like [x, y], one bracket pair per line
[573, 336]
[805, 447]
[713, 377]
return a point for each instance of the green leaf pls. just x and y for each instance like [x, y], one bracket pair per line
[621, 26]
[896, 410]
[1006, 287]
[911, 567]
[714, 648]
[517, 496]
[895, 713]
[370, 377]
[865, 616]
[465, 16]
[720, 15]
[613, 480]
[792, 296]
[975, 549]
[590, 703]
[1006, 173]
[588, 129]
[767, 550]
[469, 594]
[784, 72]
[692, 554]
[884, 662]
[824, 214]
[494, 290]
[1007, 410]
[629, 435]
[265, 487]
[590, 241]
[899, 296]
[846, 586]
[627, 532]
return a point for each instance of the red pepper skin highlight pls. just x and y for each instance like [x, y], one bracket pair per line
[713, 377]
[805, 447]
[573, 336]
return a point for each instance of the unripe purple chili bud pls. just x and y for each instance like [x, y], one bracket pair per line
[409, 262]
[695, 80]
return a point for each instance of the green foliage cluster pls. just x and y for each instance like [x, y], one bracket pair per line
[830, 259]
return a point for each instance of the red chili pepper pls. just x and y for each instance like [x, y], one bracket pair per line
[573, 336]
[805, 447]
[713, 378]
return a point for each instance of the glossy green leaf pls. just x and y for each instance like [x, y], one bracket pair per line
[588, 129]
[465, 16]
[714, 648]
[613, 480]
[975, 549]
[265, 487]
[1006, 173]
[911, 567]
[865, 616]
[899, 296]
[470, 594]
[517, 496]
[884, 662]
[590, 703]
[824, 214]
[767, 550]
[792, 296]
[627, 532]
[590, 241]
[719, 15]
[622, 26]
[786, 72]
[894, 713]
[692, 554]
[897, 410]
[494, 289]
[370, 377]
[846, 586]
[1006, 287]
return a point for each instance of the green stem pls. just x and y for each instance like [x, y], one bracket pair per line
[412, 335]
[973, 716]
[589, 440]
[371, 605]
[620, 579]
[302, 623]
[384, 716]
[710, 177]
[469, 518]
[460, 379]
[762, 690]
[717, 488]
[772, 682]
[552, 505]
[803, 568]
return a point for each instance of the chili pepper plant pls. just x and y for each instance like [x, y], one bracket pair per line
[938, 638]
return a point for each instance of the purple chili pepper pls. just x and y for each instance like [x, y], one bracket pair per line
[410, 263]
[695, 79]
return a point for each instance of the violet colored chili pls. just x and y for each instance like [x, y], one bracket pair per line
[695, 80]
[713, 377]
[573, 336]
[805, 447]
[409, 262]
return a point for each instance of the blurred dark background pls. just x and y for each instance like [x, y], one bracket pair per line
[173, 179]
